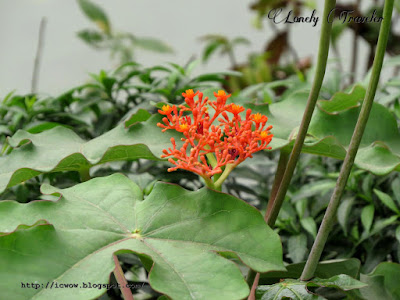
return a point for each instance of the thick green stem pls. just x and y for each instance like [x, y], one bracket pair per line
[208, 182]
[280, 171]
[331, 211]
[211, 159]
[217, 176]
[213, 162]
[224, 175]
[84, 174]
[312, 100]
[253, 277]
[323, 52]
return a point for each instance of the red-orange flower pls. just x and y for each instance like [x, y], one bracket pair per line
[183, 127]
[189, 94]
[165, 110]
[234, 109]
[221, 95]
[259, 118]
[208, 148]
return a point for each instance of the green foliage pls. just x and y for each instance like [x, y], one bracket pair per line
[181, 232]
[38, 153]
[94, 108]
[108, 126]
[224, 45]
[298, 290]
[332, 126]
[382, 282]
[339, 275]
[195, 244]
[123, 45]
[325, 269]
[329, 135]
[385, 198]
[95, 14]
[100, 112]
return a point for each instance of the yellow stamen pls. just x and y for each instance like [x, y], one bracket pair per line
[257, 117]
[264, 135]
[189, 93]
[166, 108]
[236, 109]
[221, 93]
[184, 127]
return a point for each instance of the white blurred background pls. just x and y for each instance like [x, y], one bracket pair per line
[67, 60]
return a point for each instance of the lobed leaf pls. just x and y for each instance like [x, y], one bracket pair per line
[179, 230]
[60, 149]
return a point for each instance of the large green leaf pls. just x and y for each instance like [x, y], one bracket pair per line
[383, 282]
[179, 230]
[332, 126]
[297, 290]
[60, 149]
[325, 269]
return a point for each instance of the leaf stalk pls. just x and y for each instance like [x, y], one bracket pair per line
[119, 276]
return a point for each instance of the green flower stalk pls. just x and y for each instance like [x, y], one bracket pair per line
[323, 52]
[283, 177]
[331, 211]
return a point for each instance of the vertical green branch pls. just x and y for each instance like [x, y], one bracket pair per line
[285, 176]
[330, 213]
[280, 171]
[312, 100]
[252, 276]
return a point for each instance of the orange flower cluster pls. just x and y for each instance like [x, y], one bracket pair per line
[211, 147]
